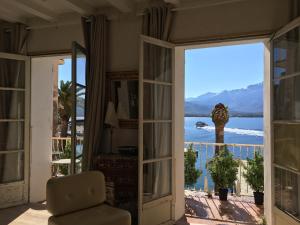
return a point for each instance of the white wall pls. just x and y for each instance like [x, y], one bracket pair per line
[41, 126]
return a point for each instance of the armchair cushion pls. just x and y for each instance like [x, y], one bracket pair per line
[76, 192]
[99, 215]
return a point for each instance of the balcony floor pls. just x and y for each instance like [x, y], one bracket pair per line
[203, 210]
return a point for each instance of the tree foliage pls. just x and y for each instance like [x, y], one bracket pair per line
[191, 174]
[223, 168]
[254, 172]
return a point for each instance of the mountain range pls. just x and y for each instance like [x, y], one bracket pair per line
[240, 102]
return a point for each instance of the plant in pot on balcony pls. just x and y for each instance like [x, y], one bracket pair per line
[191, 174]
[223, 169]
[254, 176]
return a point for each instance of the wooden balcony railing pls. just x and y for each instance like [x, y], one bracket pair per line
[205, 151]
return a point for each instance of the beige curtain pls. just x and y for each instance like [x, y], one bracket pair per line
[12, 74]
[95, 35]
[157, 23]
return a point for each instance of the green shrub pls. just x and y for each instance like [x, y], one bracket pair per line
[223, 169]
[191, 174]
[254, 172]
[66, 154]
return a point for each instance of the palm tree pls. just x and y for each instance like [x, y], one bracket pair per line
[64, 106]
[220, 117]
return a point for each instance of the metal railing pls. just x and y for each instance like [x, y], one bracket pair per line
[206, 151]
[61, 154]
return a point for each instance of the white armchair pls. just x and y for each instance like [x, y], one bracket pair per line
[80, 199]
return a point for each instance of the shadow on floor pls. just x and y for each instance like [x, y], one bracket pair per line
[8, 215]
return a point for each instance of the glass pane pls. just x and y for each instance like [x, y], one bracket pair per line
[157, 63]
[157, 180]
[287, 54]
[287, 99]
[11, 167]
[157, 102]
[80, 104]
[12, 104]
[79, 148]
[80, 67]
[12, 73]
[11, 136]
[287, 192]
[287, 145]
[157, 140]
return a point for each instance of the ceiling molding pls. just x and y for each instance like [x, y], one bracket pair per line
[124, 6]
[79, 6]
[8, 15]
[32, 8]
[204, 4]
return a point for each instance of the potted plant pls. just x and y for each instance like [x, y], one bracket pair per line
[223, 169]
[254, 175]
[191, 174]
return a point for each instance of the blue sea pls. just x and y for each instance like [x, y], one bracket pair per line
[239, 130]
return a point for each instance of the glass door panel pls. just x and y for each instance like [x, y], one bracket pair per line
[79, 95]
[14, 128]
[286, 122]
[155, 131]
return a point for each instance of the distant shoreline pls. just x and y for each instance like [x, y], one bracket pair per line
[235, 115]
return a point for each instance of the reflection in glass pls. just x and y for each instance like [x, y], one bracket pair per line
[157, 180]
[11, 136]
[157, 140]
[157, 102]
[80, 68]
[12, 73]
[287, 191]
[287, 145]
[287, 99]
[287, 54]
[157, 63]
[11, 167]
[12, 104]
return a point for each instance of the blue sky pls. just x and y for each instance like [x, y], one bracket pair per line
[65, 70]
[223, 68]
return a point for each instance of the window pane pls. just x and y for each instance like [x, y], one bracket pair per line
[157, 140]
[11, 167]
[12, 104]
[11, 136]
[287, 191]
[157, 63]
[287, 99]
[157, 180]
[287, 145]
[287, 54]
[157, 102]
[12, 73]
[80, 67]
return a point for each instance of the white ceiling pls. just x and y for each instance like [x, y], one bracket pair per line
[52, 11]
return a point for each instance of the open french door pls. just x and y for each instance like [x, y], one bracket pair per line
[79, 71]
[285, 123]
[14, 129]
[156, 132]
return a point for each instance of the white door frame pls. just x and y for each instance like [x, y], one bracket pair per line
[21, 187]
[179, 119]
